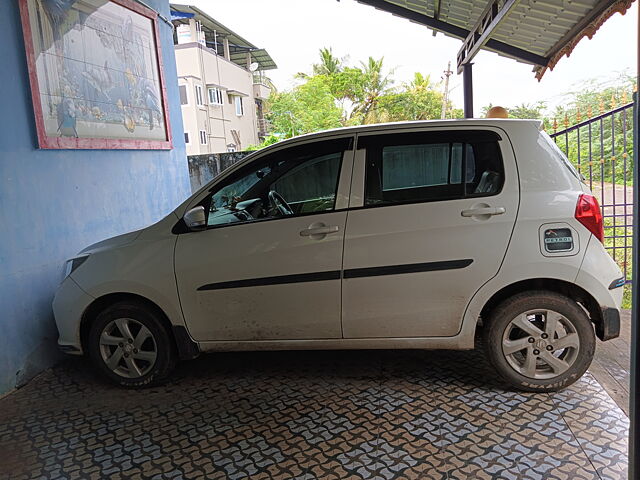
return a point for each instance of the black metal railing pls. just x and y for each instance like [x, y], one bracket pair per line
[601, 148]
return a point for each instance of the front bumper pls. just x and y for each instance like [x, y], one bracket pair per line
[69, 304]
[610, 326]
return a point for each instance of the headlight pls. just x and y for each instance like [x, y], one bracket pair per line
[72, 264]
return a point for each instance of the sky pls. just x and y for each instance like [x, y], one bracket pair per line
[293, 31]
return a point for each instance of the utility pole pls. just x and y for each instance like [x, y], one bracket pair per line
[445, 99]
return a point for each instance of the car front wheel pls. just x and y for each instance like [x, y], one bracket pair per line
[131, 346]
[539, 341]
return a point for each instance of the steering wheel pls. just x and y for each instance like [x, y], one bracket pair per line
[280, 203]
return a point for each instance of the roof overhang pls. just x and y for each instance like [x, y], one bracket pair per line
[214, 32]
[537, 32]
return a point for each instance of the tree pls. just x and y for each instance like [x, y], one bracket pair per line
[603, 147]
[375, 84]
[307, 108]
[336, 94]
[524, 110]
[329, 64]
[417, 100]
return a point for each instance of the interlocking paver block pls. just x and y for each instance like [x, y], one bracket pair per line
[312, 415]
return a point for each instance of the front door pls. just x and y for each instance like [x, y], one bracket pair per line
[437, 215]
[267, 267]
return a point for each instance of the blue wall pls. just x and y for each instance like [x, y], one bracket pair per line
[55, 202]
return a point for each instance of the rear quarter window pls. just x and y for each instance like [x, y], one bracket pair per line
[561, 156]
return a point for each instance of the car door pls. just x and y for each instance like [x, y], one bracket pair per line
[430, 221]
[267, 266]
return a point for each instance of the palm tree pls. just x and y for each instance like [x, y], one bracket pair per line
[329, 64]
[420, 83]
[375, 85]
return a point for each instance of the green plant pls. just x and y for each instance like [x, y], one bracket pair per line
[336, 94]
[269, 140]
[618, 242]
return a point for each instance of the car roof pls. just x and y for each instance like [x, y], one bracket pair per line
[504, 123]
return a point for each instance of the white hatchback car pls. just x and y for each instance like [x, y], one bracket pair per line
[389, 236]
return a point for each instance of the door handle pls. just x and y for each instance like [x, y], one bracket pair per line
[472, 212]
[312, 231]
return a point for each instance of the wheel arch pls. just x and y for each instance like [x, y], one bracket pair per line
[568, 289]
[185, 346]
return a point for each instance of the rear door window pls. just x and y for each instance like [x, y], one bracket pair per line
[433, 166]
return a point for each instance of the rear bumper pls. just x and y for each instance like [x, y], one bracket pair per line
[610, 326]
[600, 277]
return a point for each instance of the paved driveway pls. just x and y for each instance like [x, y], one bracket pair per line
[325, 415]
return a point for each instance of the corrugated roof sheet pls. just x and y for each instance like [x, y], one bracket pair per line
[238, 46]
[549, 28]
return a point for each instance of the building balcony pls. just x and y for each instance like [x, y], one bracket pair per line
[261, 91]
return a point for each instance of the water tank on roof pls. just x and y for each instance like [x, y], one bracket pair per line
[183, 32]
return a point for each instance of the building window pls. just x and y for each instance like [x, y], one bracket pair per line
[183, 95]
[186, 138]
[199, 95]
[239, 107]
[203, 137]
[215, 96]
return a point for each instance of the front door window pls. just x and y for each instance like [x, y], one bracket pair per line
[295, 181]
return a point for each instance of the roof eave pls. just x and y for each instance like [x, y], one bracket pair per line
[586, 28]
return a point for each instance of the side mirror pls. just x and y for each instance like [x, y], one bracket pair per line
[195, 218]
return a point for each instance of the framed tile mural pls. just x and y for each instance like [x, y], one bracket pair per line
[95, 70]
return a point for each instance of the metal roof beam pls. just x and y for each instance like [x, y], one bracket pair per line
[455, 31]
[480, 34]
[417, 17]
[436, 12]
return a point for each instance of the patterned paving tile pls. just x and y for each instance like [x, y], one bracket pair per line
[312, 415]
[600, 427]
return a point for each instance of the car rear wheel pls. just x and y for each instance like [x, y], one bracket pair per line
[131, 346]
[539, 341]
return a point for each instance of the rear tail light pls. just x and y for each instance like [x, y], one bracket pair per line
[588, 214]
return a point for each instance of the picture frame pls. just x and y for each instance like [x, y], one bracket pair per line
[96, 74]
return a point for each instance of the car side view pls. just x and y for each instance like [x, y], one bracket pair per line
[397, 236]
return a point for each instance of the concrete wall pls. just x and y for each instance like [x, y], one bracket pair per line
[53, 203]
[204, 168]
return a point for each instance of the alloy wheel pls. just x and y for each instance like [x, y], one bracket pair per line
[128, 348]
[540, 344]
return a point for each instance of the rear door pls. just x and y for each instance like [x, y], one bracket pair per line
[433, 216]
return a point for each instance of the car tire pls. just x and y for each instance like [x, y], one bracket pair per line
[131, 346]
[539, 341]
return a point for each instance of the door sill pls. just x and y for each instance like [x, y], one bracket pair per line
[430, 343]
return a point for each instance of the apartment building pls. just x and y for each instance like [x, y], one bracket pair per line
[221, 82]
